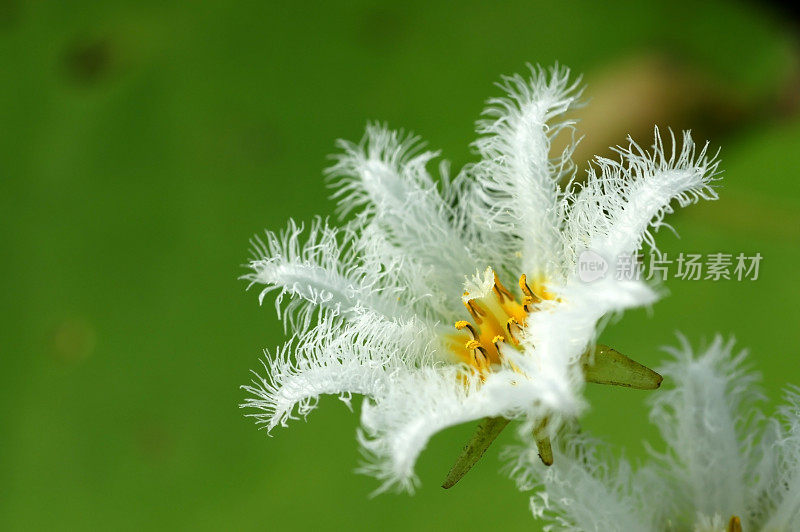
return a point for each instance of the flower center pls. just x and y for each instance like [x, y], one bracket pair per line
[497, 320]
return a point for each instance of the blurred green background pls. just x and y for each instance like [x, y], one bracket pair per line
[143, 143]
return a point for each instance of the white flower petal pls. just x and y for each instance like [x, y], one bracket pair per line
[361, 356]
[580, 491]
[386, 175]
[559, 332]
[618, 207]
[419, 403]
[704, 420]
[323, 271]
[519, 182]
[781, 478]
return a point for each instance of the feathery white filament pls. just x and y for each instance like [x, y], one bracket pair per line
[616, 209]
[326, 271]
[580, 492]
[386, 175]
[701, 421]
[519, 181]
[781, 478]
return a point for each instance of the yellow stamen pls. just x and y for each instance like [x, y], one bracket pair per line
[530, 298]
[480, 357]
[496, 343]
[474, 309]
[498, 316]
[501, 291]
[472, 344]
[511, 325]
[463, 324]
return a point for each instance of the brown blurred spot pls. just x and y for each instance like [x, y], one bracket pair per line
[788, 98]
[74, 340]
[259, 141]
[630, 97]
[88, 62]
[153, 441]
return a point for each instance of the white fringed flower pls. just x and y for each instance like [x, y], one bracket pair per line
[726, 467]
[372, 305]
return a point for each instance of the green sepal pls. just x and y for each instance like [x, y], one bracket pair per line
[609, 366]
[482, 438]
[543, 445]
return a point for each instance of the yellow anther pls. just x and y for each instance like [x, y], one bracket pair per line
[463, 324]
[475, 310]
[527, 292]
[479, 354]
[497, 340]
[523, 285]
[501, 291]
[512, 324]
[529, 298]
[481, 360]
